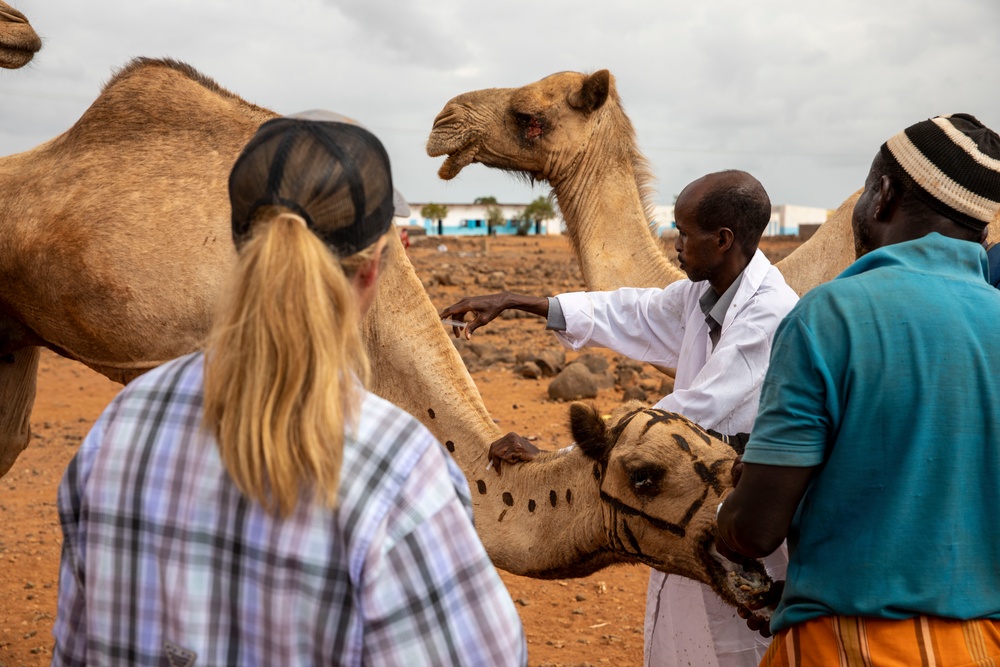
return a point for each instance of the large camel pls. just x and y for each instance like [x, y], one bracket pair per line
[18, 41]
[115, 238]
[570, 130]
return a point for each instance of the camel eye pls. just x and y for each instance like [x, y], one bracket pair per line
[647, 480]
[530, 125]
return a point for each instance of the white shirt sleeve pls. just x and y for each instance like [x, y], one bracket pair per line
[645, 324]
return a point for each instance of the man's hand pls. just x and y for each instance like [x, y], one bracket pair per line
[511, 448]
[759, 623]
[484, 309]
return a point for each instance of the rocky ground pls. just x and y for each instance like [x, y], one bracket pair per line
[515, 362]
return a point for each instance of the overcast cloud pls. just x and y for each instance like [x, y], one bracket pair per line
[801, 94]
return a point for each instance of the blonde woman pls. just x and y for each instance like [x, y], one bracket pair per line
[253, 504]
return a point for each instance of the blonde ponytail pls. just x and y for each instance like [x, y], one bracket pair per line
[283, 366]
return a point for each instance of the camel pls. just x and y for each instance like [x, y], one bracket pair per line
[115, 238]
[571, 130]
[18, 41]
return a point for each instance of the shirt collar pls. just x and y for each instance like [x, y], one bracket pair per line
[933, 252]
[715, 306]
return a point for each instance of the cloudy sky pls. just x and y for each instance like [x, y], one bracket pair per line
[799, 93]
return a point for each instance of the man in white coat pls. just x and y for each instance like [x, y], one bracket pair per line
[716, 328]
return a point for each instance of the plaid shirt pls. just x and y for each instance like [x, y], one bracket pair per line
[165, 563]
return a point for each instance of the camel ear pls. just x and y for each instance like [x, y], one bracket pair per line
[589, 431]
[594, 92]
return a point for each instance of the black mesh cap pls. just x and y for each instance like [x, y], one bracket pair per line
[335, 175]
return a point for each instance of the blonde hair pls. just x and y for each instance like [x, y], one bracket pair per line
[285, 364]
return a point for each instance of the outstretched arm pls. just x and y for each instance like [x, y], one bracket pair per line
[488, 307]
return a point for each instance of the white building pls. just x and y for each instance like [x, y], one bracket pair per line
[785, 219]
[470, 220]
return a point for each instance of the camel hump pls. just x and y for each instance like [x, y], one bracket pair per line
[143, 68]
[156, 96]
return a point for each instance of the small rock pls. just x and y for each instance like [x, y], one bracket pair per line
[524, 602]
[481, 349]
[625, 362]
[627, 377]
[604, 380]
[649, 385]
[550, 361]
[580, 597]
[596, 363]
[634, 394]
[573, 383]
[530, 370]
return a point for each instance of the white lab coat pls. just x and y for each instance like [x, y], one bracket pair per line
[686, 623]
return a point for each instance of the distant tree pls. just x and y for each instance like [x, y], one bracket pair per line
[494, 219]
[437, 212]
[494, 216]
[535, 213]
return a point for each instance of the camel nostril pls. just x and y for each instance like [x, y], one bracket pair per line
[447, 116]
[11, 15]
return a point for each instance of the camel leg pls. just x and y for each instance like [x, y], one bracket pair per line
[18, 379]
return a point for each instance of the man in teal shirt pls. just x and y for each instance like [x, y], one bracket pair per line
[876, 450]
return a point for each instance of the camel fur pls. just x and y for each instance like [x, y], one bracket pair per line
[571, 130]
[115, 239]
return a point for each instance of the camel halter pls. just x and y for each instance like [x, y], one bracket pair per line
[618, 507]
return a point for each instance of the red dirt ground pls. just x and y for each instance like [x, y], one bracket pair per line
[591, 621]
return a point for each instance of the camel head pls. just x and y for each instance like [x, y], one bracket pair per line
[18, 40]
[540, 130]
[661, 478]
[570, 130]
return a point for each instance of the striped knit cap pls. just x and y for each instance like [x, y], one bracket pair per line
[955, 163]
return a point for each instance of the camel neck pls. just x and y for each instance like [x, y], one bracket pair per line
[618, 254]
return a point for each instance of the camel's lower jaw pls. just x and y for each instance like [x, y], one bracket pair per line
[745, 583]
[457, 161]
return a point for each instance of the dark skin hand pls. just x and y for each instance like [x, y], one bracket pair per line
[758, 623]
[511, 448]
[755, 517]
[484, 309]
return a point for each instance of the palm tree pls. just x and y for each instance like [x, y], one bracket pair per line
[437, 212]
[535, 212]
[494, 216]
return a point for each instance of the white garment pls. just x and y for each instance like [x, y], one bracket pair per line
[719, 389]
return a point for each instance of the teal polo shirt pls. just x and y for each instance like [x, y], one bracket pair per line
[887, 378]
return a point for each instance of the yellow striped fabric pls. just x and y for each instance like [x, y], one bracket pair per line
[851, 641]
